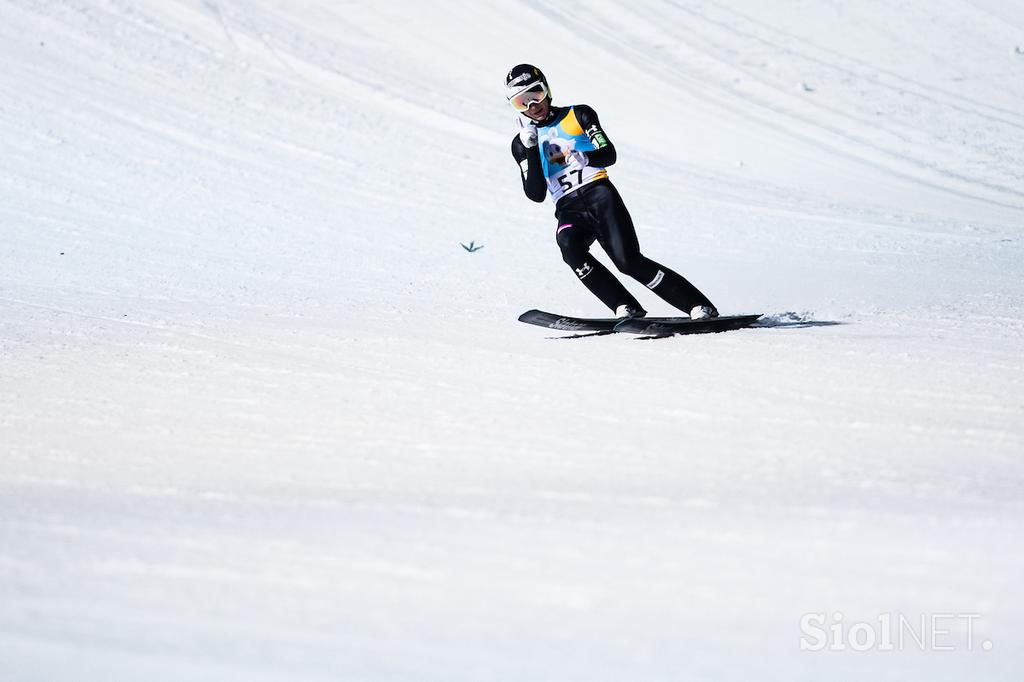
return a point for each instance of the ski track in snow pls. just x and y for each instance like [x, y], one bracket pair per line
[263, 418]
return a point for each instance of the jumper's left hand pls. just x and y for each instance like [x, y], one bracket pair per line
[576, 156]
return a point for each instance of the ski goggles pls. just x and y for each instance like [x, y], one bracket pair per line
[535, 94]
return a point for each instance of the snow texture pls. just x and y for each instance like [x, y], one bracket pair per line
[263, 418]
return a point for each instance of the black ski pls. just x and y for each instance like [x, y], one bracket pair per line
[568, 323]
[666, 326]
[647, 326]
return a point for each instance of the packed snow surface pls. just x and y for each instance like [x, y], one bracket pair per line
[263, 418]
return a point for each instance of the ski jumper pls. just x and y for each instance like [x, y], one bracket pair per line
[588, 208]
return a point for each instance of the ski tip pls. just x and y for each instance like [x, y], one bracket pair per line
[528, 314]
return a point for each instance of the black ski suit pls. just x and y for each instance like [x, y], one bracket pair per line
[595, 212]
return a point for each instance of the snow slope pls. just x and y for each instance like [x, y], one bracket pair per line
[262, 418]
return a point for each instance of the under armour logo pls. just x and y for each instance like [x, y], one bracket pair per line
[585, 270]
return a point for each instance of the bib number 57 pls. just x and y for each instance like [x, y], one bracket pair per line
[566, 184]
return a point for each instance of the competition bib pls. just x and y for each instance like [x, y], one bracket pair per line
[562, 172]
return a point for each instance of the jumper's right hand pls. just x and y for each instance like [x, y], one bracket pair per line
[527, 131]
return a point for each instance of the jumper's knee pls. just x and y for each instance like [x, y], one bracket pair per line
[635, 267]
[574, 246]
[642, 269]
